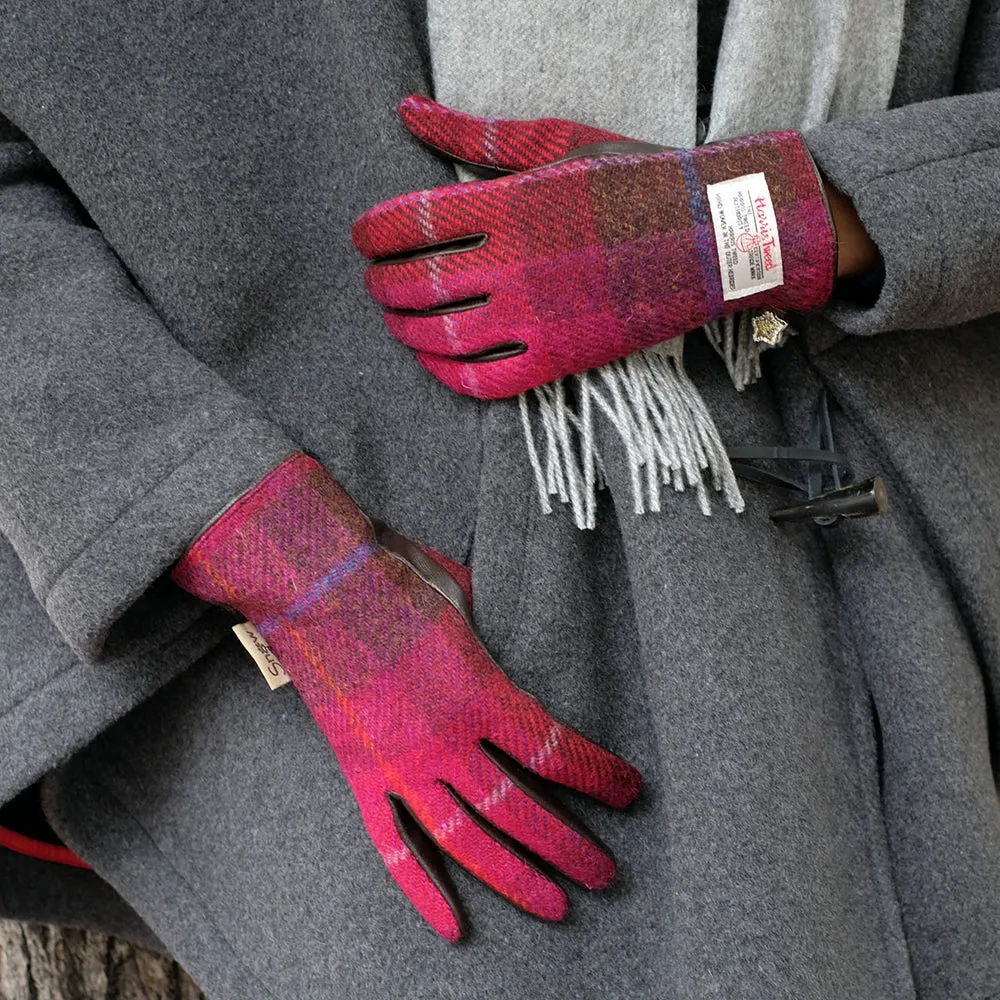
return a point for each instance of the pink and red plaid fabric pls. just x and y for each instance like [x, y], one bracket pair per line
[499, 143]
[402, 688]
[579, 262]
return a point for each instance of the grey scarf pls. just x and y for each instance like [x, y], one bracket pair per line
[631, 67]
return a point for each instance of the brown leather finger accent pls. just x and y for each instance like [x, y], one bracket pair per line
[459, 305]
[617, 148]
[463, 244]
[427, 569]
[428, 855]
[498, 352]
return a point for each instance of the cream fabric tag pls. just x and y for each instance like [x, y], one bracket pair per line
[254, 644]
[746, 235]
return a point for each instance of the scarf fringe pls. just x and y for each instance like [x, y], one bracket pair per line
[668, 435]
[732, 338]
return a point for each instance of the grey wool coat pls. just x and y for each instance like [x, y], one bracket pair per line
[815, 713]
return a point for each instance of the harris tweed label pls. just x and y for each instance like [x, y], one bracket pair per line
[746, 236]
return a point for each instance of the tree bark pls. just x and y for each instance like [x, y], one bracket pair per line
[38, 962]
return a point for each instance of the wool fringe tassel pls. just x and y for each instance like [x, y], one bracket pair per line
[732, 338]
[667, 434]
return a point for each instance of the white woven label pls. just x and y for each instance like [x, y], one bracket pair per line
[254, 644]
[746, 235]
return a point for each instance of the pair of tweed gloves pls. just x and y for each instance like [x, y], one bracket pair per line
[563, 263]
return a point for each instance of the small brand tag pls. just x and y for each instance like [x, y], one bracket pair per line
[746, 234]
[268, 663]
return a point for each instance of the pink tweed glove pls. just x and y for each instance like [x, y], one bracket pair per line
[439, 747]
[505, 284]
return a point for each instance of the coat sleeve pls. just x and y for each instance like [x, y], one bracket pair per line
[925, 180]
[116, 444]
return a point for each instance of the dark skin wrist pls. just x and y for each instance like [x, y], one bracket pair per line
[857, 255]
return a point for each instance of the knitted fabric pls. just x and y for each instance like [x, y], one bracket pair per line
[400, 685]
[580, 262]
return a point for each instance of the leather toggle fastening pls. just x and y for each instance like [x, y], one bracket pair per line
[828, 495]
[857, 500]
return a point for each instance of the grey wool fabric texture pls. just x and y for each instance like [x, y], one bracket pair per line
[784, 64]
[36, 891]
[815, 713]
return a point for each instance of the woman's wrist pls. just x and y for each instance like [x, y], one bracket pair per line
[857, 254]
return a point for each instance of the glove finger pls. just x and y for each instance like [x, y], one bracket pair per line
[552, 342]
[560, 754]
[421, 221]
[499, 143]
[536, 820]
[502, 867]
[495, 350]
[427, 282]
[462, 330]
[414, 862]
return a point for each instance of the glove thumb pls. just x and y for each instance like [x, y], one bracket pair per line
[497, 143]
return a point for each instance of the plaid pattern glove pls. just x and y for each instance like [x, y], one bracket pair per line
[440, 749]
[505, 284]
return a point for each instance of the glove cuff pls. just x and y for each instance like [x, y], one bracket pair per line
[251, 556]
[799, 212]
